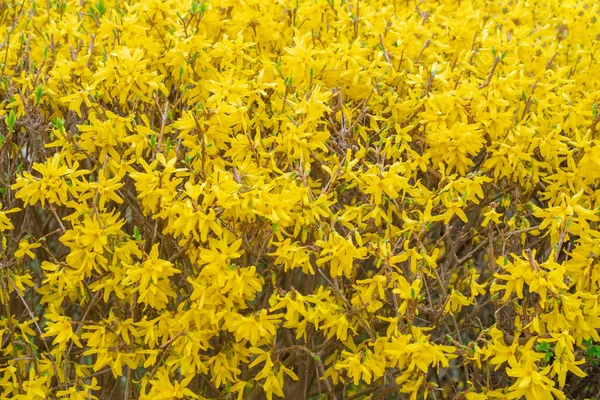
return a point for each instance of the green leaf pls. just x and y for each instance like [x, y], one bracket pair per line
[542, 347]
[39, 93]
[10, 121]
[136, 234]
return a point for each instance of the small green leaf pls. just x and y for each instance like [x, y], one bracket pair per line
[542, 347]
[136, 234]
[10, 121]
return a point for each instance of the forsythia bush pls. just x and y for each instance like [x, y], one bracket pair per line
[243, 199]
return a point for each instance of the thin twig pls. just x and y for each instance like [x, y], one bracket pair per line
[491, 73]
[385, 53]
[62, 227]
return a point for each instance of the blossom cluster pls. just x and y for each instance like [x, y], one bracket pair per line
[343, 199]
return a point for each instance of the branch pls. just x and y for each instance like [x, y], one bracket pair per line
[491, 73]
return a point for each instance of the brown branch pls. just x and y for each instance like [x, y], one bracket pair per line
[491, 73]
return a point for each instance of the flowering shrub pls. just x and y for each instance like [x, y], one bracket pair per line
[300, 199]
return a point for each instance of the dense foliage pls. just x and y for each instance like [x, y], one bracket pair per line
[301, 199]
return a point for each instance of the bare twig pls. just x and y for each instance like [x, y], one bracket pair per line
[490, 75]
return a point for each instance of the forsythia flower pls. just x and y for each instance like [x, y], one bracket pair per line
[25, 249]
[299, 199]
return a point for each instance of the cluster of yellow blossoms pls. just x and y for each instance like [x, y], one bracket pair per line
[341, 199]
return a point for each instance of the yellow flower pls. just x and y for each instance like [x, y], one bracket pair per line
[491, 215]
[61, 327]
[25, 249]
[5, 224]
